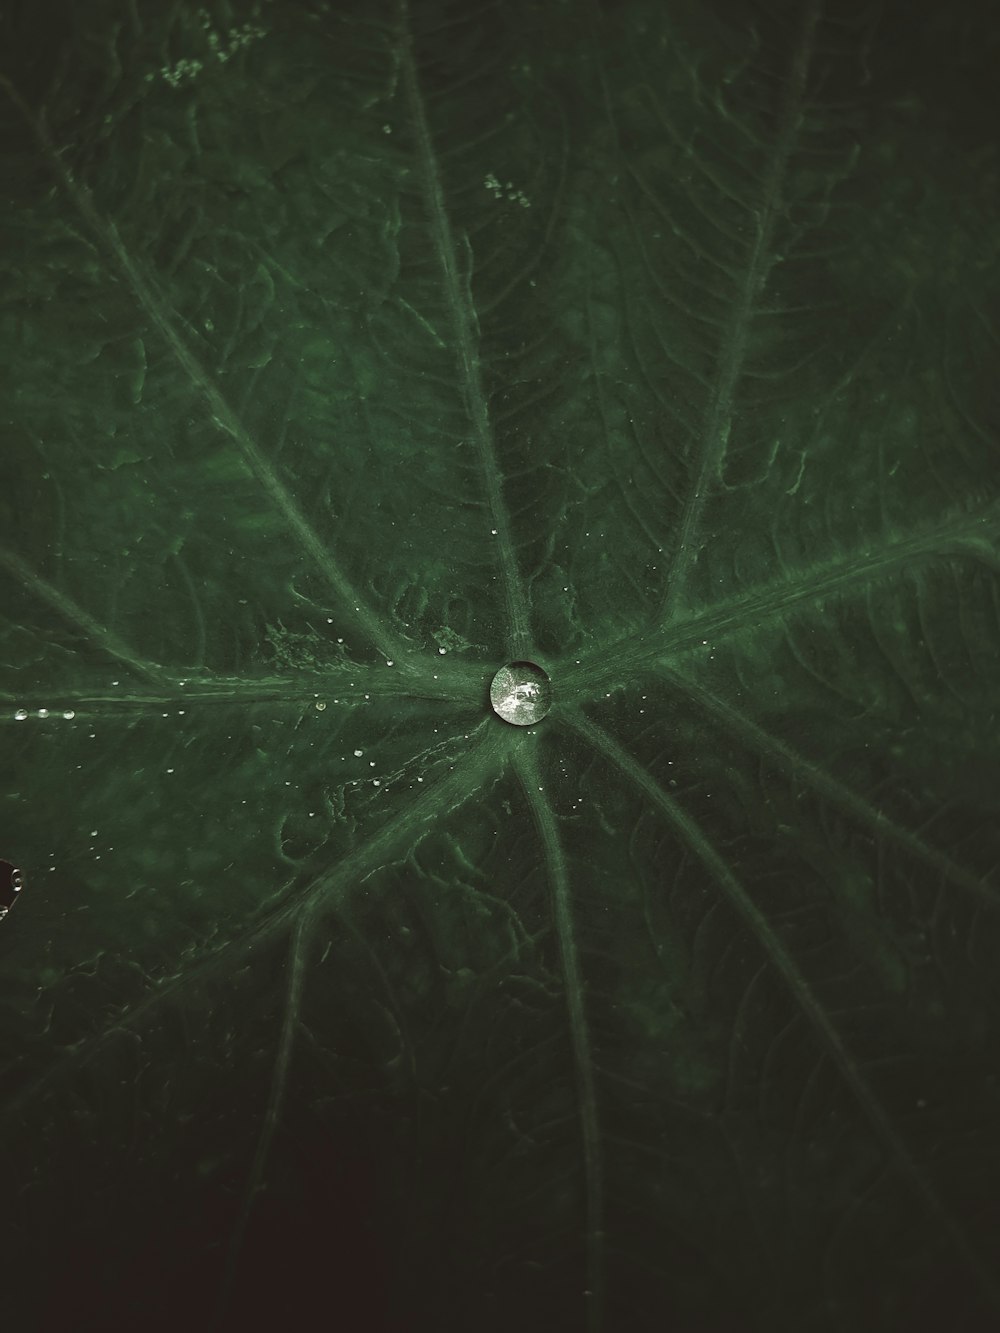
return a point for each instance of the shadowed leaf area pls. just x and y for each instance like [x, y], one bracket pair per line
[499, 666]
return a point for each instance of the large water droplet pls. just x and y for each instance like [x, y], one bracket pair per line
[521, 693]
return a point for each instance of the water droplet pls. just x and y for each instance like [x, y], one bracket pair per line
[320, 705]
[358, 754]
[521, 693]
[70, 714]
[21, 714]
[43, 712]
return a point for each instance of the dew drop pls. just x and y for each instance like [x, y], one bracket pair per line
[21, 714]
[521, 693]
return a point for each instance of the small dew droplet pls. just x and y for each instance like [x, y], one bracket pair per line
[21, 714]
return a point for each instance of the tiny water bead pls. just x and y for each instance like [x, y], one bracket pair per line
[521, 693]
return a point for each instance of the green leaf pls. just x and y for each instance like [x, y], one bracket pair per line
[351, 354]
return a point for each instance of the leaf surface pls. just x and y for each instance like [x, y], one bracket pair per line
[351, 353]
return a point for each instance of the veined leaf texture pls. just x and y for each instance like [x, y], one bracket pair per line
[500, 662]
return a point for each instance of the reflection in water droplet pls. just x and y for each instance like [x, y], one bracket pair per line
[521, 693]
